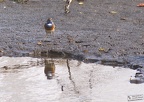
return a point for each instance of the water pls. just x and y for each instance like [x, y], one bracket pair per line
[23, 79]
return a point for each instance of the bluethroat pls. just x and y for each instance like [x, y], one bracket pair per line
[49, 26]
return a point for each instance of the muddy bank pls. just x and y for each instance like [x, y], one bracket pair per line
[91, 30]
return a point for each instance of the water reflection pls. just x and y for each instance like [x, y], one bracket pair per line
[70, 76]
[74, 82]
[49, 69]
[69, 71]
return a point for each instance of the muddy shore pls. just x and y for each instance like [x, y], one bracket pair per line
[97, 29]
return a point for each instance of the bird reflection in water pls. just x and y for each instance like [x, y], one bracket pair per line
[49, 69]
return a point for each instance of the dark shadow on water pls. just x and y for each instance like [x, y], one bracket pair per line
[125, 61]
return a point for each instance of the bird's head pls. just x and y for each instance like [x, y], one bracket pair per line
[49, 20]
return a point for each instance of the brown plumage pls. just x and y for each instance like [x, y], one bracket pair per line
[49, 69]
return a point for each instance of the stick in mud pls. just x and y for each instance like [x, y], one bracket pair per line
[67, 6]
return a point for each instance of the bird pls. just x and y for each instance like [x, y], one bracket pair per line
[49, 26]
[49, 29]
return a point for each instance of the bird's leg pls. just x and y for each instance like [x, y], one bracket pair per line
[44, 39]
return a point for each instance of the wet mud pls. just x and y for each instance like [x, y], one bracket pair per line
[106, 32]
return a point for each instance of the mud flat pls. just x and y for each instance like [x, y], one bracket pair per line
[22, 79]
[99, 28]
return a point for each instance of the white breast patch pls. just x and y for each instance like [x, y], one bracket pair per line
[50, 24]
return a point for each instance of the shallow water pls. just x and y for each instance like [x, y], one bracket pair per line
[23, 79]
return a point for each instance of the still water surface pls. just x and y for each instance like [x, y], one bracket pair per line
[25, 79]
